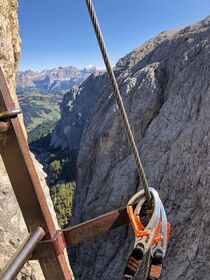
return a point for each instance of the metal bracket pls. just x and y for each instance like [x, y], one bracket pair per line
[80, 233]
[50, 248]
[10, 114]
[4, 126]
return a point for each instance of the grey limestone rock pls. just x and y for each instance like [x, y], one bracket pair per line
[75, 109]
[165, 86]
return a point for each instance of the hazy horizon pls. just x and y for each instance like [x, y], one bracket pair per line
[63, 66]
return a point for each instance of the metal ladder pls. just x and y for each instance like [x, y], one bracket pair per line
[44, 243]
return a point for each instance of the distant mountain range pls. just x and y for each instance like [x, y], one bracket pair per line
[61, 78]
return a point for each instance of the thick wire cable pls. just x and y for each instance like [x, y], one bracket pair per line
[147, 260]
[119, 101]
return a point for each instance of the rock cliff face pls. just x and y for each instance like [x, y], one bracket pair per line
[12, 226]
[64, 142]
[75, 110]
[10, 42]
[166, 89]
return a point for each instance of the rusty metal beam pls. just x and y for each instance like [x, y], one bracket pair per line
[92, 228]
[26, 185]
[83, 232]
[15, 265]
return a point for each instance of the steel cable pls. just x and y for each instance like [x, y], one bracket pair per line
[147, 260]
[119, 101]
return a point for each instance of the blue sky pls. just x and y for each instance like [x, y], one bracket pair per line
[58, 33]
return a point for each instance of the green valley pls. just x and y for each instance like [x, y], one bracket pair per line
[41, 112]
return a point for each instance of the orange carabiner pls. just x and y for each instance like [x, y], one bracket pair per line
[137, 226]
[158, 237]
[139, 229]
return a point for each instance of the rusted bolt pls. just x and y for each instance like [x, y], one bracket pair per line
[4, 126]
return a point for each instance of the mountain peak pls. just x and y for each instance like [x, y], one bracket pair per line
[90, 66]
[60, 78]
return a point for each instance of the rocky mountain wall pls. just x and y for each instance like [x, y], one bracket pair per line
[165, 86]
[12, 227]
[75, 110]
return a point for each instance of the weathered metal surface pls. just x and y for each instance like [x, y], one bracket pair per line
[49, 248]
[92, 228]
[81, 233]
[24, 179]
[21, 171]
[4, 126]
[22, 255]
[10, 114]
